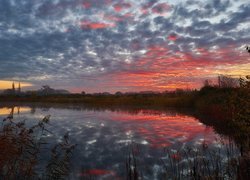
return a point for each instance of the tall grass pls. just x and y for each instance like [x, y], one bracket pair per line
[202, 162]
[21, 151]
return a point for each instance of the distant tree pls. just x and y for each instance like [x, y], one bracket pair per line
[207, 83]
[227, 81]
[46, 87]
[179, 91]
[8, 92]
[83, 93]
[118, 93]
[245, 82]
[13, 87]
[47, 90]
[248, 49]
[105, 93]
[19, 88]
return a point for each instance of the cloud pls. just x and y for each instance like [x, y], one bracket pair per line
[95, 25]
[87, 4]
[120, 6]
[161, 8]
[85, 44]
[172, 37]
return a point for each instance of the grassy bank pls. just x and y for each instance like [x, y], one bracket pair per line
[158, 100]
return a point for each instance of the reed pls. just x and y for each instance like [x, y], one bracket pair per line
[21, 151]
[193, 162]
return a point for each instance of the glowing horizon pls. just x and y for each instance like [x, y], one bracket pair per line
[4, 84]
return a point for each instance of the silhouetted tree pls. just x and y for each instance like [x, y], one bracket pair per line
[118, 93]
[248, 49]
[207, 83]
[227, 81]
[83, 93]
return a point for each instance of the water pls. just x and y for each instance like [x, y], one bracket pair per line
[104, 138]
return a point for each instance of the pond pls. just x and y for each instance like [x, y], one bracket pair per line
[105, 138]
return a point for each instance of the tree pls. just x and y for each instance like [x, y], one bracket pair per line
[207, 83]
[118, 93]
[248, 49]
[47, 90]
[83, 93]
[228, 81]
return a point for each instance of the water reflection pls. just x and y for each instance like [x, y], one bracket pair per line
[104, 136]
[14, 110]
[162, 129]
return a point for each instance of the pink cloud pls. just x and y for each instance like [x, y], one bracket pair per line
[120, 6]
[95, 25]
[160, 69]
[145, 8]
[86, 5]
[172, 37]
[107, 2]
[117, 18]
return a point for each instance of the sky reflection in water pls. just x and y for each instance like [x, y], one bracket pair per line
[104, 137]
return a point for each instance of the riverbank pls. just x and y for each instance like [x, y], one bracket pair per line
[153, 100]
[221, 103]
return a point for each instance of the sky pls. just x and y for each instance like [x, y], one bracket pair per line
[114, 45]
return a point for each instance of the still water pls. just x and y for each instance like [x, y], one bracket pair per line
[104, 137]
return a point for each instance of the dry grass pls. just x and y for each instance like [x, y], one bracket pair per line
[21, 151]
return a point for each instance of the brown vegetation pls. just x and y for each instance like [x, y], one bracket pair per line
[21, 147]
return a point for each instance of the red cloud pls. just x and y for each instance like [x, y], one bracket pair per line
[86, 4]
[117, 18]
[120, 6]
[145, 7]
[95, 25]
[144, 11]
[160, 80]
[161, 8]
[172, 37]
[161, 69]
[156, 51]
[128, 15]
[167, 127]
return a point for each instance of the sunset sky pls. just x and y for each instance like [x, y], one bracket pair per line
[114, 45]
